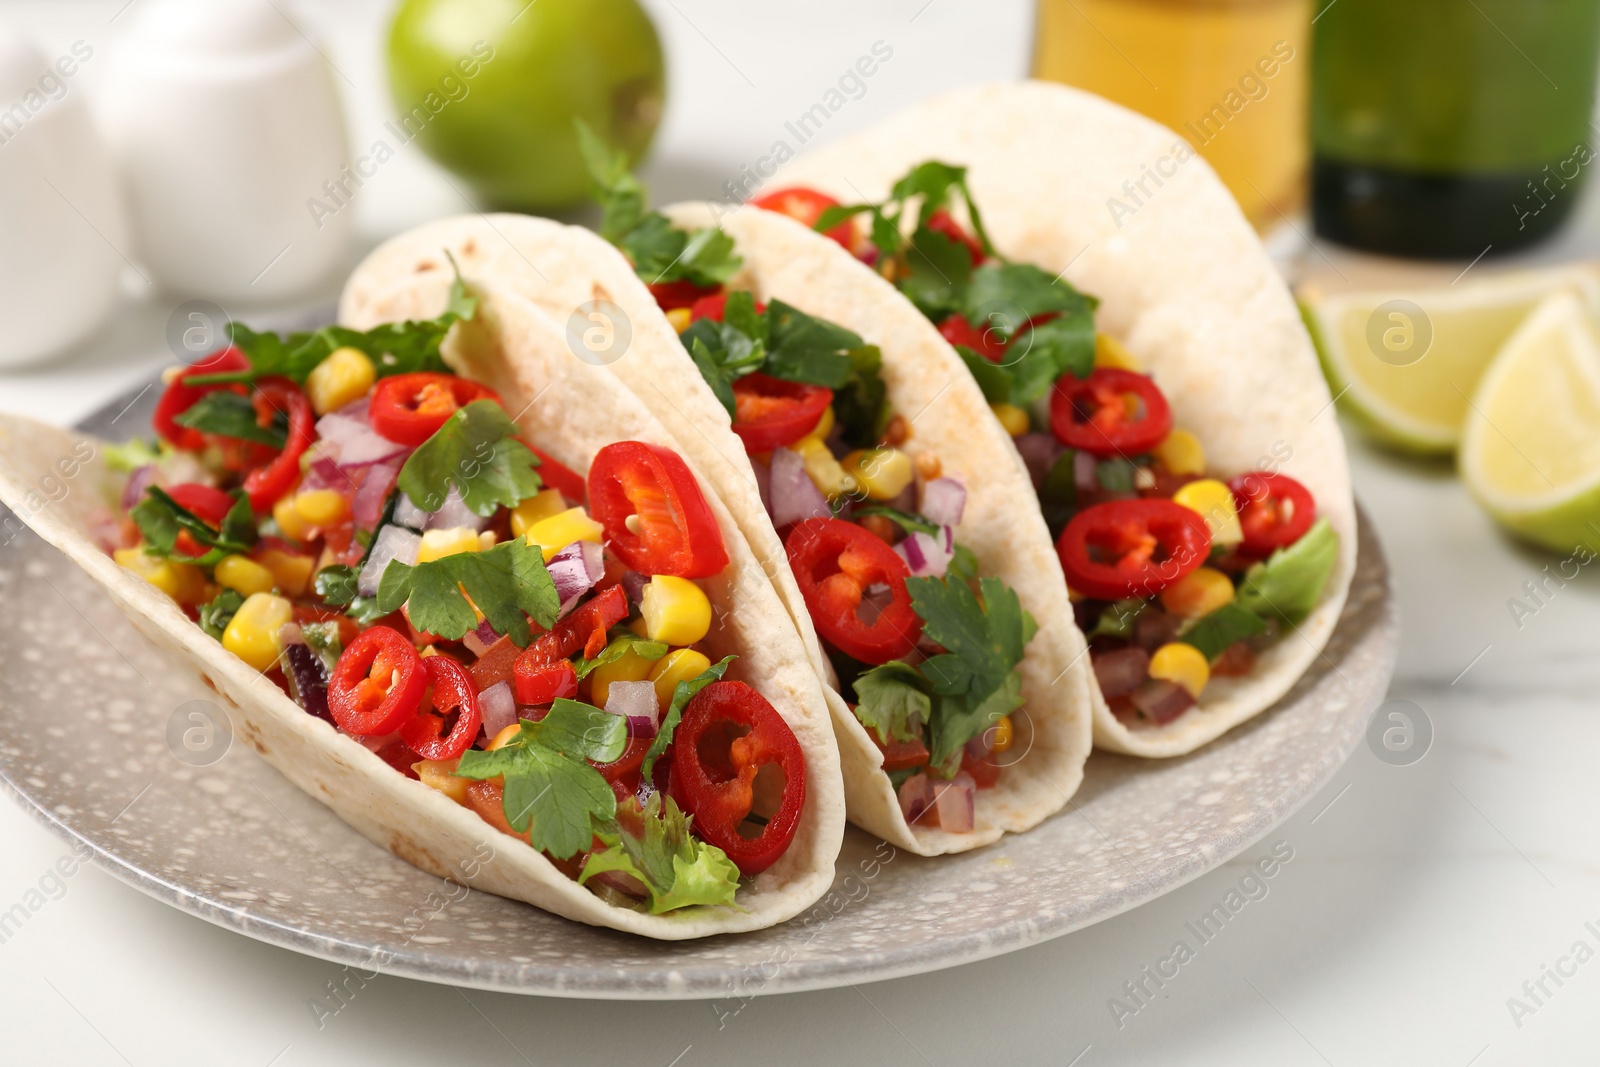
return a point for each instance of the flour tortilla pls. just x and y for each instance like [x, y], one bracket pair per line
[561, 267]
[1183, 283]
[571, 410]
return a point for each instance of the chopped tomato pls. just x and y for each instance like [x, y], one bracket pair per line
[987, 342]
[377, 685]
[488, 799]
[943, 222]
[901, 755]
[806, 206]
[624, 772]
[266, 485]
[677, 533]
[1131, 548]
[771, 412]
[409, 408]
[713, 307]
[1112, 412]
[209, 505]
[1274, 510]
[450, 719]
[584, 630]
[834, 563]
[543, 683]
[679, 294]
[180, 396]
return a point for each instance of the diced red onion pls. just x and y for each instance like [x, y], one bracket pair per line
[926, 554]
[307, 678]
[636, 702]
[291, 634]
[622, 882]
[1121, 671]
[1153, 628]
[479, 640]
[795, 497]
[1085, 472]
[955, 801]
[351, 442]
[1039, 453]
[407, 513]
[366, 507]
[454, 514]
[943, 501]
[633, 584]
[574, 570]
[375, 744]
[498, 707]
[916, 797]
[980, 747]
[140, 479]
[1161, 700]
[394, 542]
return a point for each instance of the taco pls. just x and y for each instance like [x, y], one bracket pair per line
[468, 593]
[826, 409]
[1131, 334]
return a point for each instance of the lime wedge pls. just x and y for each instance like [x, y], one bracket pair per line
[1404, 362]
[1530, 449]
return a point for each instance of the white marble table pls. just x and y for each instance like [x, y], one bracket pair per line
[1419, 899]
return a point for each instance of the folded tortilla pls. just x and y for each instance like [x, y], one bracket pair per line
[564, 268]
[1124, 208]
[571, 410]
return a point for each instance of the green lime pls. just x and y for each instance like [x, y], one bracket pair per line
[489, 89]
[1404, 363]
[1530, 449]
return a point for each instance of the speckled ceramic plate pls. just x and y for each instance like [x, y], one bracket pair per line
[121, 749]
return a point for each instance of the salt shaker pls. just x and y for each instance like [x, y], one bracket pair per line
[60, 221]
[225, 125]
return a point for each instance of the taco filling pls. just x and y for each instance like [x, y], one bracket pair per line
[1176, 577]
[372, 533]
[924, 648]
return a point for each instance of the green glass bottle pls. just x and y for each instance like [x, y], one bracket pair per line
[1447, 128]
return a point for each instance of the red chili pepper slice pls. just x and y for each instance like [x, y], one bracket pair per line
[409, 408]
[1131, 548]
[1274, 510]
[679, 294]
[209, 505]
[715, 306]
[450, 719]
[377, 685]
[180, 396]
[1095, 413]
[543, 683]
[806, 206]
[770, 412]
[559, 476]
[678, 534]
[266, 485]
[942, 221]
[987, 343]
[728, 734]
[834, 563]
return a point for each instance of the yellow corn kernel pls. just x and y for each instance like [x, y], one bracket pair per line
[823, 470]
[629, 667]
[1182, 664]
[322, 507]
[824, 425]
[1200, 592]
[289, 519]
[291, 572]
[343, 378]
[562, 529]
[486, 540]
[244, 575]
[440, 774]
[1182, 453]
[680, 318]
[1214, 502]
[883, 472]
[1012, 418]
[542, 505]
[1108, 352]
[253, 633]
[1004, 734]
[505, 737]
[676, 666]
[183, 582]
[675, 611]
[437, 544]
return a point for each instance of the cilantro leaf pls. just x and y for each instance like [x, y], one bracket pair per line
[963, 565]
[677, 869]
[160, 519]
[1058, 493]
[365, 610]
[621, 196]
[861, 405]
[1047, 351]
[323, 639]
[336, 584]
[507, 583]
[992, 379]
[475, 452]
[934, 182]
[962, 718]
[228, 414]
[1115, 475]
[1117, 619]
[623, 641]
[1213, 633]
[685, 692]
[215, 616]
[1018, 292]
[904, 519]
[804, 348]
[580, 729]
[892, 701]
[938, 271]
[1289, 583]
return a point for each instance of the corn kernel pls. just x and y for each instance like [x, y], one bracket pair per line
[1182, 453]
[505, 737]
[321, 507]
[680, 318]
[675, 611]
[343, 378]
[437, 544]
[629, 667]
[289, 520]
[824, 425]
[1182, 664]
[183, 582]
[1004, 734]
[883, 472]
[291, 572]
[677, 666]
[440, 774]
[1214, 502]
[823, 470]
[1012, 418]
[1200, 592]
[252, 635]
[1108, 352]
[562, 529]
[542, 505]
[244, 575]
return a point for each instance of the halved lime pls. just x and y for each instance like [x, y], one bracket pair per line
[1530, 448]
[1404, 362]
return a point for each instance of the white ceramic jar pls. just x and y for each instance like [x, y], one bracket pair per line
[225, 123]
[60, 221]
